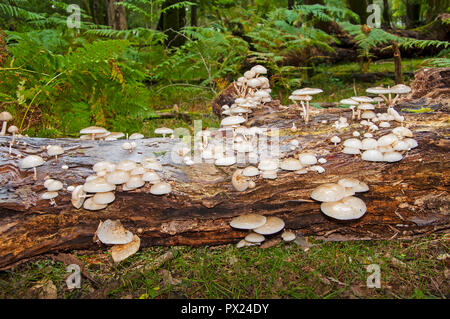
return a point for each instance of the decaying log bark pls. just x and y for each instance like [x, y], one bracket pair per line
[406, 199]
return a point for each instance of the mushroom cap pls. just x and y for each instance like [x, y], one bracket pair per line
[5, 116]
[369, 144]
[126, 165]
[249, 74]
[163, 130]
[348, 102]
[412, 142]
[239, 182]
[368, 115]
[353, 143]
[300, 97]
[392, 157]
[384, 124]
[354, 184]
[307, 159]
[402, 131]
[98, 185]
[248, 221]
[225, 161]
[388, 139]
[161, 188]
[111, 232]
[273, 225]
[254, 238]
[31, 161]
[104, 166]
[136, 136]
[13, 129]
[122, 252]
[329, 192]
[351, 151]
[378, 90]
[348, 208]
[400, 89]
[250, 171]
[114, 136]
[54, 186]
[90, 205]
[94, 130]
[270, 174]
[117, 177]
[401, 145]
[362, 99]
[268, 164]
[49, 195]
[78, 196]
[53, 150]
[259, 69]
[307, 91]
[104, 198]
[367, 107]
[291, 164]
[134, 182]
[335, 139]
[151, 176]
[232, 120]
[138, 170]
[288, 236]
[372, 156]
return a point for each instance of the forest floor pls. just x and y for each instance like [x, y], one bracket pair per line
[310, 269]
[408, 269]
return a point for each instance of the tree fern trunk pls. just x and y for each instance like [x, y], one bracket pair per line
[117, 16]
[397, 64]
[171, 22]
[360, 8]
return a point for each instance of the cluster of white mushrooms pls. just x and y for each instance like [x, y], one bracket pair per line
[387, 148]
[124, 243]
[99, 188]
[259, 226]
[338, 200]
[253, 89]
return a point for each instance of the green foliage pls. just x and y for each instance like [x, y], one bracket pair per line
[74, 88]
[206, 56]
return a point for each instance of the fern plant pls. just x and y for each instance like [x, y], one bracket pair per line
[367, 39]
[68, 89]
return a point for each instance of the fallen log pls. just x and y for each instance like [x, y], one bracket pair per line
[406, 199]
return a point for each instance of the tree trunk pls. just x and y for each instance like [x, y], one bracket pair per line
[291, 4]
[117, 16]
[412, 13]
[387, 21]
[397, 64]
[171, 22]
[406, 199]
[194, 15]
[99, 12]
[360, 8]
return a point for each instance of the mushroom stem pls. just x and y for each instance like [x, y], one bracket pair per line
[56, 158]
[307, 111]
[3, 132]
[35, 174]
[304, 110]
[395, 99]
